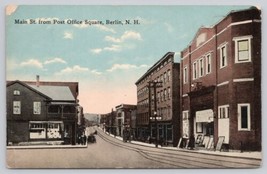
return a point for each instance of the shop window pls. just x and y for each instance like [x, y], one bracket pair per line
[223, 111]
[199, 127]
[169, 133]
[243, 116]
[242, 49]
[36, 107]
[54, 130]
[37, 130]
[16, 107]
[223, 56]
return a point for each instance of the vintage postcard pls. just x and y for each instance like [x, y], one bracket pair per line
[133, 86]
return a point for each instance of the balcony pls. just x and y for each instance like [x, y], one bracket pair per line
[66, 112]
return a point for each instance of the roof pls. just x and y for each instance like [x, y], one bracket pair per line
[9, 83]
[59, 93]
[155, 65]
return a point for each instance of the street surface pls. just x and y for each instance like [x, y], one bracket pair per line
[110, 152]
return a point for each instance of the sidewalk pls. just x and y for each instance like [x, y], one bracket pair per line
[253, 155]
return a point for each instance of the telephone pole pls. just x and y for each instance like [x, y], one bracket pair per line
[154, 85]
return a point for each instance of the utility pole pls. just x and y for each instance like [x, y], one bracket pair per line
[155, 85]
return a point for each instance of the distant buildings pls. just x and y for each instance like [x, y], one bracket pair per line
[125, 118]
[118, 121]
[158, 97]
[43, 112]
[221, 82]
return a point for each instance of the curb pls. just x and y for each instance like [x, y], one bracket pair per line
[47, 147]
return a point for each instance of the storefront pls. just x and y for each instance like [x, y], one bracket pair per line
[50, 130]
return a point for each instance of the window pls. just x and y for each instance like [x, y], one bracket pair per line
[242, 49]
[208, 63]
[199, 127]
[16, 92]
[169, 93]
[201, 67]
[185, 115]
[16, 107]
[195, 70]
[223, 111]
[223, 56]
[169, 75]
[165, 77]
[36, 107]
[165, 94]
[54, 109]
[243, 113]
[185, 74]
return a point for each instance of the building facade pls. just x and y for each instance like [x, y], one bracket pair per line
[41, 113]
[125, 119]
[158, 102]
[221, 83]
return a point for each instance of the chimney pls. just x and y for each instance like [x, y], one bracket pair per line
[37, 80]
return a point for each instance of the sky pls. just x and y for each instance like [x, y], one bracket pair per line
[105, 59]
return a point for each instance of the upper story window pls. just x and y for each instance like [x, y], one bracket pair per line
[223, 56]
[36, 108]
[195, 72]
[168, 75]
[165, 94]
[169, 93]
[201, 67]
[208, 63]
[165, 77]
[242, 49]
[185, 75]
[16, 92]
[224, 111]
[54, 109]
[16, 107]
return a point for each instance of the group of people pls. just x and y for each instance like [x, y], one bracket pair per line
[83, 139]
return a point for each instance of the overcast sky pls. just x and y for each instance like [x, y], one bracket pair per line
[106, 60]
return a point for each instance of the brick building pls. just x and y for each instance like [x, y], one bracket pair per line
[42, 112]
[221, 82]
[164, 76]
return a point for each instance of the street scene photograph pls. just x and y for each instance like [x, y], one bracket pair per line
[133, 87]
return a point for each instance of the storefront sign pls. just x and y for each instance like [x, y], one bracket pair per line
[204, 116]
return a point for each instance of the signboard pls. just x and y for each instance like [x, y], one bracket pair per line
[204, 116]
[219, 143]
